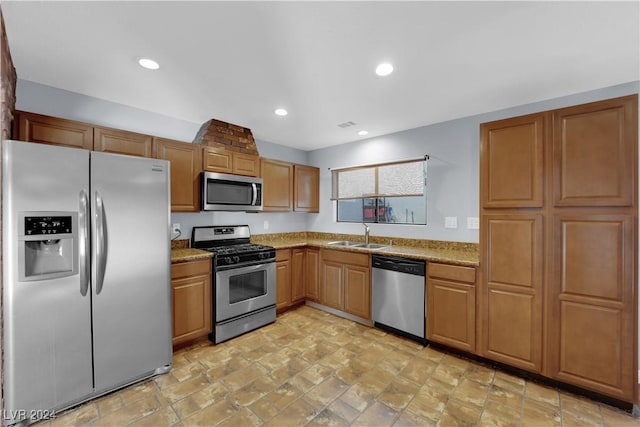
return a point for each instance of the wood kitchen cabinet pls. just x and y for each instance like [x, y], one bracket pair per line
[306, 196]
[345, 282]
[451, 305]
[32, 127]
[289, 187]
[122, 142]
[558, 244]
[298, 276]
[185, 161]
[225, 161]
[312, 274]
[277, 190]
[191, 296]
[283, 279]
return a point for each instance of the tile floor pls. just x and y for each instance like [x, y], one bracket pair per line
[312, 368]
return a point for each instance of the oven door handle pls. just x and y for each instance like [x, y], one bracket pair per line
[246, 267]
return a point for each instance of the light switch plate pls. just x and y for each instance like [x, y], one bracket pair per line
[450, 222]
[473, 222]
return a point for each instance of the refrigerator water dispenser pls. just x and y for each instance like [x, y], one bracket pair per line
[47, 245]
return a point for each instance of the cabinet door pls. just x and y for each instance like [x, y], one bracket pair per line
[512, 289]
[283, 278]
[297, 274]
[511, 162]
[191, 292]
[331, 284]
[277, 190]
[594, 151]
[121, 142]
[216, 160]
[52, 130]
[592, 303]
[312, 267]
[307, 189]
[186, 164]
[357, 290]
[245, 164]
[451, 314]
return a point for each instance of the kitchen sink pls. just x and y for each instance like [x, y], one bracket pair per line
[344, 243]
[369, 246]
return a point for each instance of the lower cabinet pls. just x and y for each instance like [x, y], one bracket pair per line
[191, 292]
[312, 274]
[345, 282]
[451, 305]
[290, 278]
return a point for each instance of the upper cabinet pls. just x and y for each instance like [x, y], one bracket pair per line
[289, 186]
[511, 165]
[52, 130]
[225, 161]
[186, 162]
[307, 188]
[277, 192]
[121, 142]
[594, 154]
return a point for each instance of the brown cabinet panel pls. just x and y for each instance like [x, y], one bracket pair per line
[52, 130]
[511, 162]
[216, 160]
[283, 279]
[357, 291]
[277, 191]
[451, 314]
[245, 164]
[297, 275]
[186, 164]
[592, 302]
[512, 250]
[121, 142]
[332, 284]
[452, 272]
[594, 151]
[514, 330]
[307, 186]
[191, 298]
[312, 272]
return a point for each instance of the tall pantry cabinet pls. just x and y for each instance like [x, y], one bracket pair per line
[558, 287]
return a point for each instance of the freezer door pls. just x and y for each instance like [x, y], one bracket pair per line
[47, 311]
[131, 268]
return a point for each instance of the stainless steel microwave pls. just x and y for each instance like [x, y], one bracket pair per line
[225, 192]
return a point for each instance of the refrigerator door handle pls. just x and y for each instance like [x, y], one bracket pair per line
[101, 243]
[84, 249]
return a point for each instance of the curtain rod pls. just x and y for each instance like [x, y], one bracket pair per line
[425, 157]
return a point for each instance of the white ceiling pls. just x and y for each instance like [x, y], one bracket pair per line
[238, 61]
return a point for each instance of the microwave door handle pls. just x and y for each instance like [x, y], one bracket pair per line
[85, 250]
[255, 193]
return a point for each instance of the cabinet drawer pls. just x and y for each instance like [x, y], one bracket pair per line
[283, 254]
[452, 272]
[345, 257]
[191, 268]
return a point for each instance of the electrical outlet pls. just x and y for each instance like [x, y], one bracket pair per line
[175, 229]
[473, 222]
[450, 222]
[265, 224]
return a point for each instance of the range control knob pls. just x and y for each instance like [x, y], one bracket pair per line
[227, 260]
[236, 259]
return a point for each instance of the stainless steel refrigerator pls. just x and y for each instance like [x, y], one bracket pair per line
[86, 275]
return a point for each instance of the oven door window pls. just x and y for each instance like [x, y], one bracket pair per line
[247, 286]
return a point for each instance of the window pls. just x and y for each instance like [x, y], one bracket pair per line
[392, 193]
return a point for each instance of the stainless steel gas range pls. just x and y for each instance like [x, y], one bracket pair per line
[244, 279]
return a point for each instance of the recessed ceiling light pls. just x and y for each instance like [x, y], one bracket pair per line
[149, 64]
[363, 132]
[281, 112]
[384, 69]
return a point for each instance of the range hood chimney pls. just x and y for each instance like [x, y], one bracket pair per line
[219, 134]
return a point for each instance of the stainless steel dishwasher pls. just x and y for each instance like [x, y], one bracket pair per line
[399, 296]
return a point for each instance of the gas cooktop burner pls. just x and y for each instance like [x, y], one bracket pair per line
[231, 245]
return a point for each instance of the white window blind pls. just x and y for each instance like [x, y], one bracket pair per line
[381, 180]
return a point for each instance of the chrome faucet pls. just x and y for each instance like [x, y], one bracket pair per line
[366, 233]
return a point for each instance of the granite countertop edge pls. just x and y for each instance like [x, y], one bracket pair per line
[188, 254]
[447, 256]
